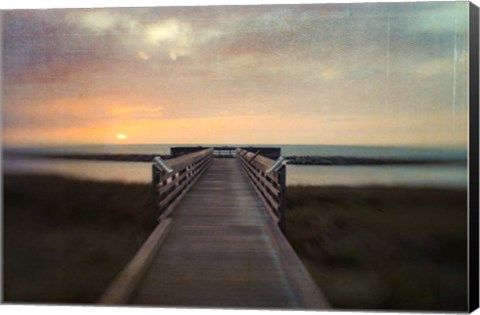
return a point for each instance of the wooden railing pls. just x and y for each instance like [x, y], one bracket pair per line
[224, 152]
[269, 179]
[171, 179]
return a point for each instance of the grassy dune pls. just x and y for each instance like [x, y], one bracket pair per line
[65, 240]
[370, 247]
[383, 248]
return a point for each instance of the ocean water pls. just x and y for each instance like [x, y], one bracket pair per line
[133, 172]
[287, 150]
[385, 175]
[406, 175]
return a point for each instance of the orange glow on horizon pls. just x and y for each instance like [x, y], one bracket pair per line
[254, 129]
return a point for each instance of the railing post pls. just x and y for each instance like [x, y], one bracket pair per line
[177, 176]
[282, 178]
[155, 181]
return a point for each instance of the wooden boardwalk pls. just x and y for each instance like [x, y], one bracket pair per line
[224, 250]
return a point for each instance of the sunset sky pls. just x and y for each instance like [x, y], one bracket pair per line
[366, 74]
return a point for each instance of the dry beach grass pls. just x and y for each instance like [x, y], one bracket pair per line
[367, 247]
[65, 239]
[383, 247]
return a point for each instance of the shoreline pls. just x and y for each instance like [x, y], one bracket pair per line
[353, 161]
[291, 160]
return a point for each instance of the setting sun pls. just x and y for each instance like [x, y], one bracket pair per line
[121, 136]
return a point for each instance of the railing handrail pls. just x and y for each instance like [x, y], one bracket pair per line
[171, 179]
[180, 162]
[256, 159]
[269, 180]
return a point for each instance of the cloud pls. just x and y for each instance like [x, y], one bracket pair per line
[170, 36]
[103, 20]
[330, 74]
[135, 112]
[99, 21]
[167, 31]
[142, 55]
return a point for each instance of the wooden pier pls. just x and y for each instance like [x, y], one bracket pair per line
[219, 242]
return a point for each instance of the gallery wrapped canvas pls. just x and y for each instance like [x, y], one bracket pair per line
[284, 156]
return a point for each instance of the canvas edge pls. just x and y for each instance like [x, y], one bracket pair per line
[473, 281]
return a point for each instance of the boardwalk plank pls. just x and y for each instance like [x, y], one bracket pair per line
[221, 251]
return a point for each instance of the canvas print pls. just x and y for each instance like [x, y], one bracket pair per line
[306, 156]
